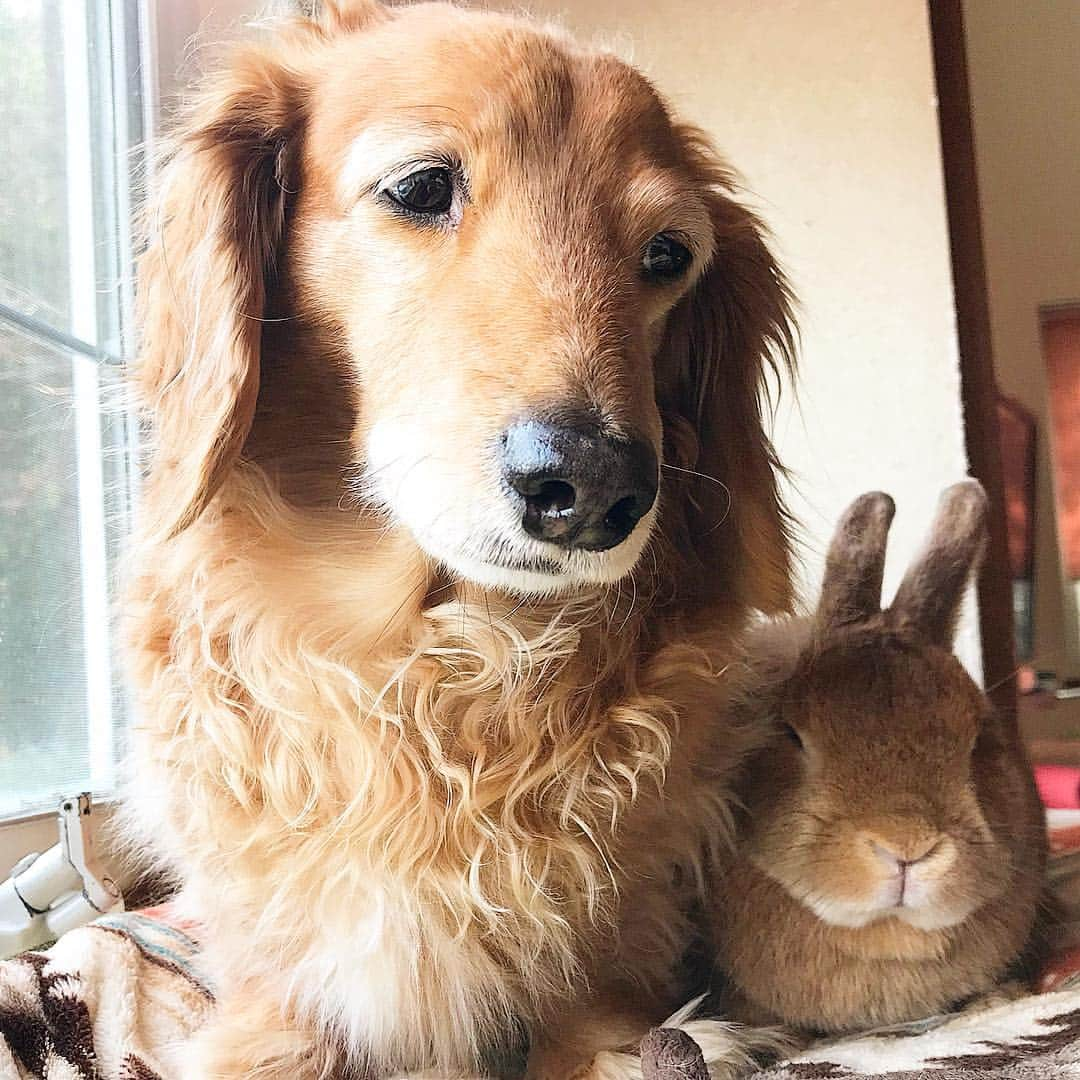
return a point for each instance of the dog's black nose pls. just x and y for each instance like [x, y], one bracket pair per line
[581, 489]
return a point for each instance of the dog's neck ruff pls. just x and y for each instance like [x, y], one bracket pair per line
[461, 761]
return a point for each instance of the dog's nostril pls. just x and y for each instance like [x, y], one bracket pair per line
[552, 497]
[582, 488]
[624, 515]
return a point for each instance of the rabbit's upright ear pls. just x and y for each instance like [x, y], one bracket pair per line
[929, 598]
[851, 589]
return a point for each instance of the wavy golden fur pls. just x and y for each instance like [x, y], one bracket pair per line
[430, 785]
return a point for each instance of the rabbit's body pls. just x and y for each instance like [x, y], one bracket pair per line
[892, 850]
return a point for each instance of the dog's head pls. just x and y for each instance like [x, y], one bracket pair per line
[477, 277]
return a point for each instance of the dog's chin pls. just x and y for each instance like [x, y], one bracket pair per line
[535, 580]
[529, 569]
[520, 580]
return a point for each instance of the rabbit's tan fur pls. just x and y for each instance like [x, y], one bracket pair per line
[875, 735]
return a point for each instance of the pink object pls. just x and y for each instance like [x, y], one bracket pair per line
[1059, 786]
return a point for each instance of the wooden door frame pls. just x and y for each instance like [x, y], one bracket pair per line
[978, 384]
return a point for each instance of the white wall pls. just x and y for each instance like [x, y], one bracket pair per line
[181, 28]
[1024, 71]
[827, 107]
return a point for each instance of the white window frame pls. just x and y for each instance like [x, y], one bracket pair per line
[164, 34]
[21, 835]
[161, 33]
[124, 73]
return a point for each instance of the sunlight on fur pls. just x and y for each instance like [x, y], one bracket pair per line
[501, 751]
[434, 811]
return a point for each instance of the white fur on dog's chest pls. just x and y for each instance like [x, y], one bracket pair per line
[395, 976]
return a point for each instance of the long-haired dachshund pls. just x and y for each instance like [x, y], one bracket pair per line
[458, 497]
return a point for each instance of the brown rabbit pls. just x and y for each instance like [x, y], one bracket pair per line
[891, 856]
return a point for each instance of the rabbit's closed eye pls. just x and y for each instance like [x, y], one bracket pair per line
[792, 735]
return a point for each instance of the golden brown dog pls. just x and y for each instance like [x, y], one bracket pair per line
[458, 497]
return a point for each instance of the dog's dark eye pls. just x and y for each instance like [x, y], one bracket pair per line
[665, 257]
[427, 191]
[792, 736]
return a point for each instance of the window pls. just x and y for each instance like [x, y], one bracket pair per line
[70, 116]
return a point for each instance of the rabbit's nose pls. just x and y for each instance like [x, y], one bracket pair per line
[899, 856]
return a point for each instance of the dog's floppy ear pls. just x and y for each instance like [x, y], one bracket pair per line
[722, 340]
[214, 232]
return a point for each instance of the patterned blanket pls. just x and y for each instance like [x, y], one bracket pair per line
[1036, 1037]
[112, 1001]
[107, 1002]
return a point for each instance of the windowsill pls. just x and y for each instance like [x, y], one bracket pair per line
[20, 836]
[38, 832]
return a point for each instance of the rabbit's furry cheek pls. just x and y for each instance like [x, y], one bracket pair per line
[846, 883]
[854, 853]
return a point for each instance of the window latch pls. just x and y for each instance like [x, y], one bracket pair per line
[58, 890]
